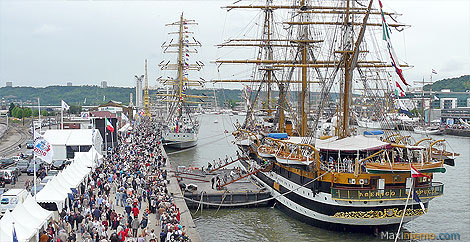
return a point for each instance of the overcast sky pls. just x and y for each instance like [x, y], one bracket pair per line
[52, 42]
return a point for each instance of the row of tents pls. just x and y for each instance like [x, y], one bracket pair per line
[30, 217]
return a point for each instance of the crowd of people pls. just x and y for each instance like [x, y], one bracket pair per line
[123, 199]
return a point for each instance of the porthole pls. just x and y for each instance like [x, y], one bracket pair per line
[365, 202]
[325, 198]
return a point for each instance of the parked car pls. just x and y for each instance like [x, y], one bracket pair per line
[15, 170]
[10, 198]
[38, 189]
[52, 172]
[58, 164]
[16, 158]
[30, 170]
[4, 162]
[29, 144]
[8, 176]
[46, 179]
[22, 165]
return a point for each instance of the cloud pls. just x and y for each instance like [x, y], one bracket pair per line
[46, 29]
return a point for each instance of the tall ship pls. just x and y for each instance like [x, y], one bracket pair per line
[347, 180]
[181, 125]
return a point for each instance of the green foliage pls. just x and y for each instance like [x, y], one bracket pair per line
[17, 112]
[35, 113]
[44, 113]
[75, 109]
[28, 112]
[12, 106]
[458, 84]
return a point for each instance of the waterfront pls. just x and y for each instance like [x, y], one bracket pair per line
[447, 214]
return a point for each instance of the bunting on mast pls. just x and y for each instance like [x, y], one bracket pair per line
[391, 51]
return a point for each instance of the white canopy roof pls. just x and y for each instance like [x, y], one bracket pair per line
[125, 127]
[23, 233]
[70, 136]
[352, 143]
[37, 211]
[57, 136]
[27, 219]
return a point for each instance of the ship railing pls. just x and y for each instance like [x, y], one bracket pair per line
[359, 194]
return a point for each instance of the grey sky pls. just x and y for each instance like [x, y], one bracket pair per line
[51, 42]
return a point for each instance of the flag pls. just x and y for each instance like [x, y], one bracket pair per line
[416, 198]
[42, 149]
[416, 173]
[393, 57]
[65, 106]
[434, 71]
[109, 125]
[15, 239]
[125, 118]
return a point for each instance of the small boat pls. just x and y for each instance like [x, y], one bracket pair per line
[216, 121]
[429, 130]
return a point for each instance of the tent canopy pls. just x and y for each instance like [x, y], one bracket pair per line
[352, 143]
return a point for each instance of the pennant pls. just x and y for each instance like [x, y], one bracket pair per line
[416, 173]
[15, 238]
[434, 71]
[393, 57]
[416, 198]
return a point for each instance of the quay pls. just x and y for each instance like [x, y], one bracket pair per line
[175, 192]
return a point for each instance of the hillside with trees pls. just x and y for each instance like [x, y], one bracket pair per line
[457, 84]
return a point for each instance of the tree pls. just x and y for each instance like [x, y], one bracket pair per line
[35, 113]
[17, 112]
[75, 109]
[27, 112]
[10, 109]
[44, 113]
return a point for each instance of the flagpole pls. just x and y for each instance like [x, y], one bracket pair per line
[34, 162]
[62, 115]
[404, 211]
[105, 137]
[39, 116]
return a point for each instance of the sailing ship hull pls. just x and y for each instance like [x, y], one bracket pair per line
[179, 140]
[315, 207]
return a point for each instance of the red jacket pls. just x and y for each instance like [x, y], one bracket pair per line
[123, 234]
[135, 210]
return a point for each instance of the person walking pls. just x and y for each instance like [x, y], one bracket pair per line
[135, 226]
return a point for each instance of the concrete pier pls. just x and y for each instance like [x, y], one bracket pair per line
[186, 219]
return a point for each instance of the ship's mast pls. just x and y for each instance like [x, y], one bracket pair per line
[305, 55]
[179, 98]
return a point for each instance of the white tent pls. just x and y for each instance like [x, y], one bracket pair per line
[37, 211]
[23, 233]
[27, 219]
[52, 193]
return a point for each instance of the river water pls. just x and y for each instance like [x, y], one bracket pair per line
[447, 214]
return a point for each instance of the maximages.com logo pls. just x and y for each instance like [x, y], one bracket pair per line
[419, 236]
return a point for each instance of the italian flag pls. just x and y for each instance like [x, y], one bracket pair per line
[109, 126]
[416, 173]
